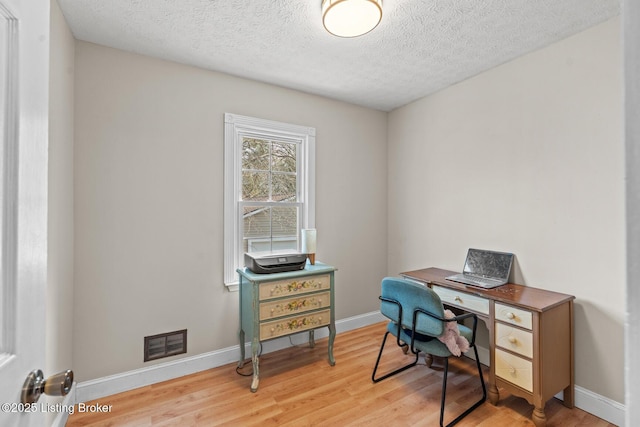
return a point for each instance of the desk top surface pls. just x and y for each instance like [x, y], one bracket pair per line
[511, 293]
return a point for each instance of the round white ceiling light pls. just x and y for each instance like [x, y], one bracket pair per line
[351, 18]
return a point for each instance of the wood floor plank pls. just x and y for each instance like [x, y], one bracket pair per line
[299, 388]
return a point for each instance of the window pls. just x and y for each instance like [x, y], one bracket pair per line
[269, 188]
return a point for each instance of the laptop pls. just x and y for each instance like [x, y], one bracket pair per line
[485, 269]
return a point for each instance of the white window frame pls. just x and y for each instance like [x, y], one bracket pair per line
[236, 128]
[9, 126]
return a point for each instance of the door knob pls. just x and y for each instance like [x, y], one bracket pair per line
[56, 385]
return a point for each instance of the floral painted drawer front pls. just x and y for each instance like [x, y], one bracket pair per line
[297, 286]
[295, 305]
[294, 324]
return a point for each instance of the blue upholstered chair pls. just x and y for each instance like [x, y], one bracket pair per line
[417, 320]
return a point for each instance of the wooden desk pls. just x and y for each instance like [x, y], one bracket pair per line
[280, 304]
[530, 336]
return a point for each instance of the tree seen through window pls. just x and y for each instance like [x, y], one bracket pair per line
[269, 178]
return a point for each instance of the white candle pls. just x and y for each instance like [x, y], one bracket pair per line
[308, 240]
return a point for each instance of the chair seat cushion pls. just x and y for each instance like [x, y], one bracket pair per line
[425, 343]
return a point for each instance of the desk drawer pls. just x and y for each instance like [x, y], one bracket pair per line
[294, 305]
[294, 324]
[514, 339]
[513, 315]
[297, 286]
[514, 369]
[462, 299]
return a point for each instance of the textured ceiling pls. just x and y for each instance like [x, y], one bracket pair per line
[420, 47]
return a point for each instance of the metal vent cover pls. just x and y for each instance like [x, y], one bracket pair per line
[165, 345]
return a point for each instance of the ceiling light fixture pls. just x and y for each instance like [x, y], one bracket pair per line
[351, 18]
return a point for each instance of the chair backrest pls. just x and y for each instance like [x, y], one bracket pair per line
[412, 295]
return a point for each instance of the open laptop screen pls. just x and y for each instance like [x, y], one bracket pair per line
[489, 264]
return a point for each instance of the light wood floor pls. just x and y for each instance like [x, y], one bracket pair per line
[299, 388]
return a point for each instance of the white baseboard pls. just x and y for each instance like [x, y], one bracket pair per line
[118, 383]
[602, 407]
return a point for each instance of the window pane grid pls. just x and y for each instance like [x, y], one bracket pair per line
[269, 170]
[268, 228]
[269, 177]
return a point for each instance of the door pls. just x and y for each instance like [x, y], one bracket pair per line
[24, 82]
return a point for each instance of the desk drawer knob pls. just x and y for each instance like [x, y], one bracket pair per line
[512, 339]
[512, 370]
[458, 299]
[511, 316]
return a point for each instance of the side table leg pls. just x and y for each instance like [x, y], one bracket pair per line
[332, 336]
[256, 369]
[312, 341]
[428, 358]
[241, 336]
[568, 396]
[538, 417]
[494, 394]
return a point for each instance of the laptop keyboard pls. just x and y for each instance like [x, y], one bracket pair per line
[482, 282]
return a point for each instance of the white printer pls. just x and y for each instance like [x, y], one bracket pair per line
[274, 262]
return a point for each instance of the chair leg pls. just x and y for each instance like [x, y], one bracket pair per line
[484, 388]
[444, 390]
[375, 369]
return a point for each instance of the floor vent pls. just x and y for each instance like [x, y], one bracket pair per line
[165, 345]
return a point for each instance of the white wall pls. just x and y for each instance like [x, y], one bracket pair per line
[149, 194]
[528, 158]
[59, 308]
[631, 32]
